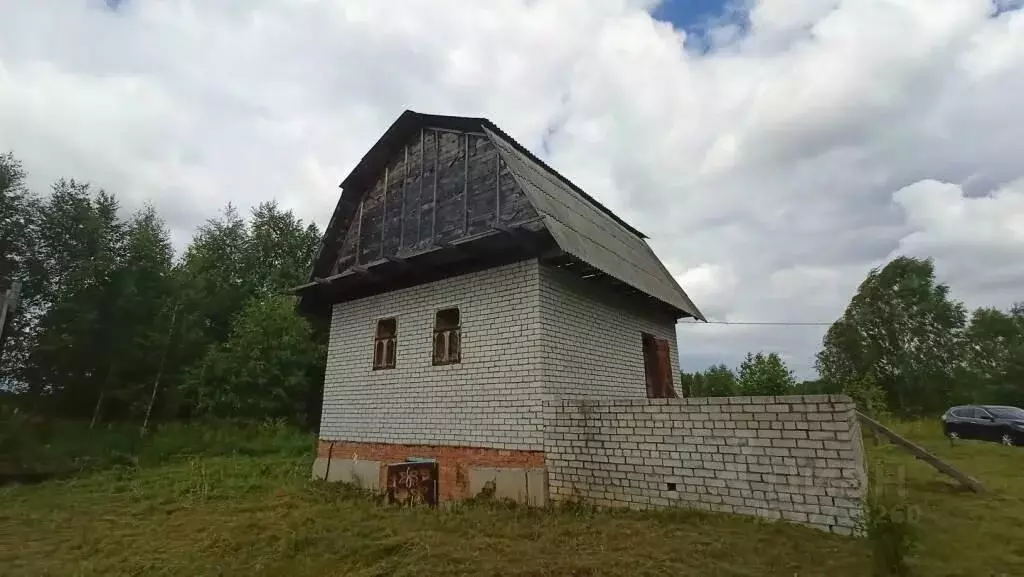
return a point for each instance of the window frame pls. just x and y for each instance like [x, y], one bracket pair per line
[389, 344]
[448, 358]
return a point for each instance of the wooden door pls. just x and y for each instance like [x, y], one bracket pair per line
[658, 368]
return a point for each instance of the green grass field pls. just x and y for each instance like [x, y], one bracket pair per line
[211, 513]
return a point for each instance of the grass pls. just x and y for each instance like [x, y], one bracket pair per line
[961, 533]
[203, 513]
[32, 447]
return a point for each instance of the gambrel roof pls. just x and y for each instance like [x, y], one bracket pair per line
[578, 224]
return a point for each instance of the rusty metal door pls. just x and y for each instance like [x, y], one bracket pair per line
[412, 483]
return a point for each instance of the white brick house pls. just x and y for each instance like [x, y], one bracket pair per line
[467, 282]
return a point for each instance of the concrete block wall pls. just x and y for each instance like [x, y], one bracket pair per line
[493, 398]
[796, 458]
[592, 340]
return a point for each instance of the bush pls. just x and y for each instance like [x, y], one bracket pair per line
[867, 395]
[891, 531]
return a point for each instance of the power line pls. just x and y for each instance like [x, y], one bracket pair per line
[766, 323]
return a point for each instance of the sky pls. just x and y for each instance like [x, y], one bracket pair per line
[774, 151]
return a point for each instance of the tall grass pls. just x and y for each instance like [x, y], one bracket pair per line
[32, 447]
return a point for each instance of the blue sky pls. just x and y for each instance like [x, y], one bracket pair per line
[694, 16]
[688, 13]
[691, 15]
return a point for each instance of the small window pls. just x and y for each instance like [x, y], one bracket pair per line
[385, 341]
[447, 337]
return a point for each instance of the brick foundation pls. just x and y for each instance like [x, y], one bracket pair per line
[453, 463]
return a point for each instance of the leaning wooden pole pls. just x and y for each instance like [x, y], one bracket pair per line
[159, 372]
[920, 453]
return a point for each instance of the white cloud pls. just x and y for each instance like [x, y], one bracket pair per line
[772, 171]
[978, 240]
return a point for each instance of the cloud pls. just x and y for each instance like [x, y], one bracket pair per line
[772, 170]
[956, 229]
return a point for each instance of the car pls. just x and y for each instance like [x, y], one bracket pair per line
[985, 422]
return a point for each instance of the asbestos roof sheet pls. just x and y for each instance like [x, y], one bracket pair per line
[588, 233]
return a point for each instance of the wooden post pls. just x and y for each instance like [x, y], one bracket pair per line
[419, 199]
[497, 186]
[922, 454]
[465, 187]
[359, 228]
[401, 215]
[437, 164]
[384, 210]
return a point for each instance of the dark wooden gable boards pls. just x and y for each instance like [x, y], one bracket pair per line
[442, 185]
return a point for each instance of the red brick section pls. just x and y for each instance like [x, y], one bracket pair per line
[453, 463]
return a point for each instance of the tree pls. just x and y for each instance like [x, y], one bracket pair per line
[902, 330]
[688, 385]
[762, 374]
[228, 263]
[143, 292]
[720, 381]
[216, 280]
[280, 249]
[265, 367]
[103, 291]
[15, 219]
[995, 357]
[715, 381]
[18, 211]
[79, 251]
[104, 305]
[813, 387]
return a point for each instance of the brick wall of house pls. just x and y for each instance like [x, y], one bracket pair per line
[794, 457]
[493, 398]
[591, 339]
[528, 331]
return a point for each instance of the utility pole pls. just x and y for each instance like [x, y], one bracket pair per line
[7, 308]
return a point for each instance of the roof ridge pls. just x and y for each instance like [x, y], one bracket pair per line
[597, 204]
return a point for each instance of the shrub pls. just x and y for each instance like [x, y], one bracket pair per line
[891, 531]
[867, 395]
